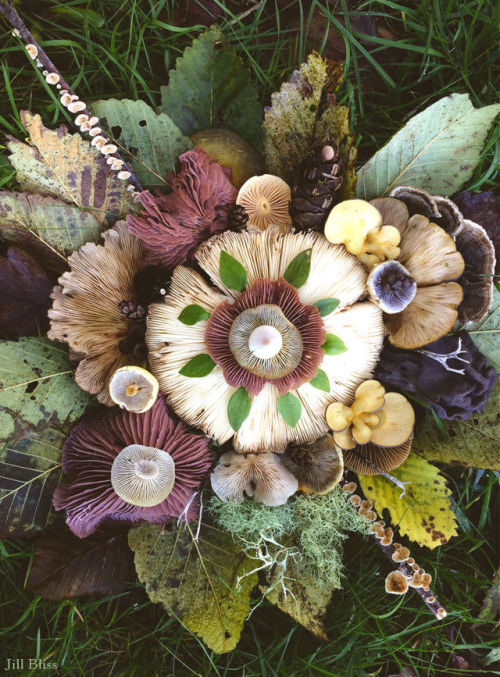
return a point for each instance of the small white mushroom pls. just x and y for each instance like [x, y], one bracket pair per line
[52, 78]
[80, 119]
[32, 50]
[108, 149]
[117, 164]
[98, 141]
[76, 106]
[123, 175]
[143, 476]
[45, 73]
[93, 120]
[65, 99]
[39, 63]
[95, 131]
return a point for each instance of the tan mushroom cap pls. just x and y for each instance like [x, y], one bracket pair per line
[385, 458]
[134, 389]
[479, 254]
[430, 315]
[397, 419]
[318, 466]
[349, 222]
[396, 583]
[143, 476]
[394, 212]
[266, 200]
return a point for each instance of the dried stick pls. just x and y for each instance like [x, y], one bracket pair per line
[414, 575]
[84, 120]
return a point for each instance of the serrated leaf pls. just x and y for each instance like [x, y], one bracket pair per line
[192, 314]
[486, 334]
[204, 583]
[232, 273]
[298, 269]
[65, 566]
[51, 228]
[152, 141]
[424, 513]
[37, 386]
[30, 470]
[321, 381]
[473, 443]
[210, 87]
[326, 306]
[436, 150]
[298, 121]
[199, 365]
[65, 166]
[333, 345]
[238, 408]
[290, 409]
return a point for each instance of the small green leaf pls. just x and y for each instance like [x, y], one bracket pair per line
[238, 408]
[199, 365]
[333, 345]
[290, 409]
[321, 381]
[232, 273]
[298, 269]
[326, 306]
[193, 314]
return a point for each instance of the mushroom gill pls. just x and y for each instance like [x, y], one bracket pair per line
[266, 200]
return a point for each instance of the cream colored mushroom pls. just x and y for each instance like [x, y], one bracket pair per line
[133, 388]
[265, 199]
[349, 223]
[143, 476]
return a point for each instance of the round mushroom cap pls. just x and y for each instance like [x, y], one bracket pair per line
[397, 419]
[318, 466]
[396, 583]
[266, 200]
[134, 389]
[391, 287]
[143, 476]
[349, 222]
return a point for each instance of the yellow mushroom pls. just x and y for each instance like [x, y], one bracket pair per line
[349, 223]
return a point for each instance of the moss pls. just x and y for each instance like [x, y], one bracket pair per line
[315, 525]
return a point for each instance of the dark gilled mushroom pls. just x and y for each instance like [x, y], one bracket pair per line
[391, 287]
[318, 466]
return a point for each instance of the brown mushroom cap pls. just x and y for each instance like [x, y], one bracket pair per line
[417, 200]
[266, 200]
[318, 467]
[385, 458]
[394, 212]
[400, 554]
[396, 583]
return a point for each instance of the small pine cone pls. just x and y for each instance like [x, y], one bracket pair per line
[238, 218]
[313, 193]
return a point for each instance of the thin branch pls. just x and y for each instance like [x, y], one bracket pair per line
[83, 117]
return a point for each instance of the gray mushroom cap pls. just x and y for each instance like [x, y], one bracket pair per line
[391, 287]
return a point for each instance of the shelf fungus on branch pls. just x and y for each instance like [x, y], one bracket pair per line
[265, 199]
[375, 432]
[318, 466]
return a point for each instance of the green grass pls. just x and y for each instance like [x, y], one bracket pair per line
[112, 48]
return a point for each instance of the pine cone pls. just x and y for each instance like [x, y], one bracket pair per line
[313, 193]
[238, 218]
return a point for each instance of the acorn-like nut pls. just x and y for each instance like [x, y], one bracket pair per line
[143, 476]
[349, 223]
[230, 150]
[266, 200]
[134, 389]
[396, 583]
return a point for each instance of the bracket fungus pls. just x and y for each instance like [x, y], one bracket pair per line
[318, 466]
[143, 476]
[133, 388]
[266, 200]
[396, 583]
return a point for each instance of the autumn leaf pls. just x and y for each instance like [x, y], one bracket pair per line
[58, 164]
[423, 513]
[304, 114]
[65, 566]
[25, 292]
[205, 582]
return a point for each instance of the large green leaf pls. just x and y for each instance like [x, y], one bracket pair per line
[49, 227]
[424, 513]
[30, 470]
[152, 141]
[37, 387]
[66, 166]
[472, 443]
[211, 88]
[304, 115]
[204, 582]
[436, 150]
[486, 334]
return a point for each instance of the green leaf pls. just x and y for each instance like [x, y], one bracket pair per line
[206, 583]
[66, 166]
[238, 408]
[152, 141]
[298, 269]
[199, 365]
[48, 226]
[290, 409]
[486, 334]
[298, 120]
[436, 150]
[474, 443]
[424, 513]
[30, 470]
[321, 381]
[333, 345]
[211, 88]
[192, 314]
[37, 386]
[326, 306]
[232, 273]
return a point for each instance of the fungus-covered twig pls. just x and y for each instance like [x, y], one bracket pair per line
[400, 556]
[83, 118]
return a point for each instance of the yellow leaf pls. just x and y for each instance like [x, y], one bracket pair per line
[424, 513]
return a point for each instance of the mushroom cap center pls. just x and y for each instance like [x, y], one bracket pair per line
[132, 389]
[143, 476]
[263, 206]
[265, 341]
[391, 286]
[146, 469]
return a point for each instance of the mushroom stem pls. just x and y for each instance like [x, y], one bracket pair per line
[398, 483]
[409, 568]
[41, 59]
